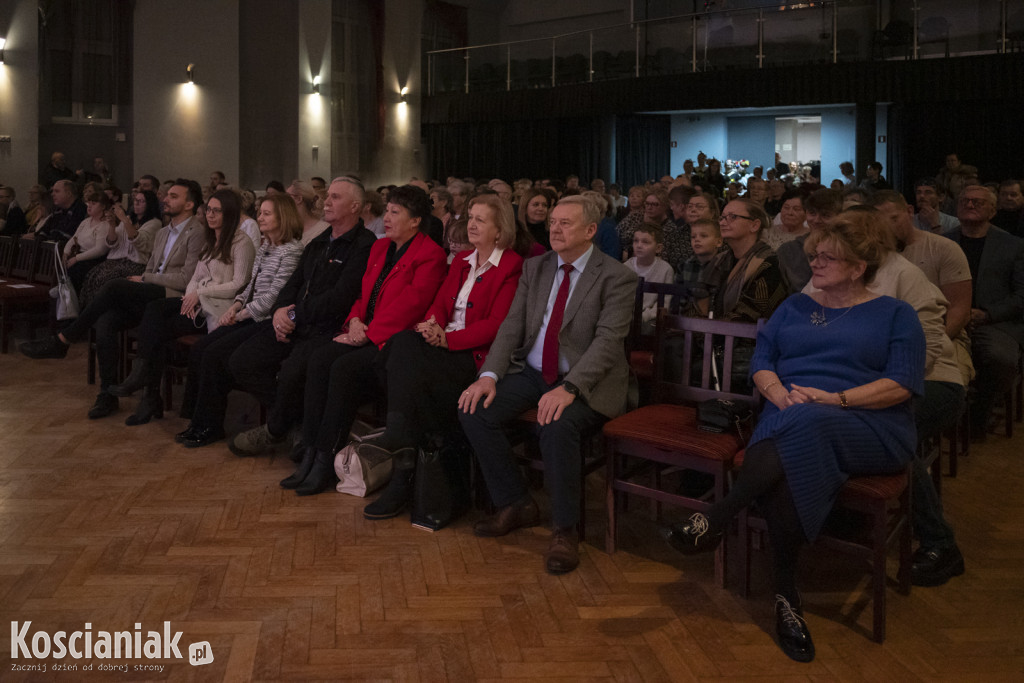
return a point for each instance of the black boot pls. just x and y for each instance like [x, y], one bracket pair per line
[321, 476]
[395, 498]
[300, 474]
[150, 406]
[138, 379]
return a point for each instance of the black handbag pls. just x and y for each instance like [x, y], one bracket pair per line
[722, 415]
[441, 489]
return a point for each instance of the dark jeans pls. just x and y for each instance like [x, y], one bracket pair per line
[209, 381]
[78, 272]
[118, 306]
[424, 384]
[559, 445]
[995, 356]
[339, 378]
[275, 372]
[939, 408]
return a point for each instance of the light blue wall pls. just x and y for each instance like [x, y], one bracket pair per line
[693, 133]
[838, 142]
[881, 148]
[752, 138]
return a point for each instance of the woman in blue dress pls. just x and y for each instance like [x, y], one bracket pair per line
[838, 370]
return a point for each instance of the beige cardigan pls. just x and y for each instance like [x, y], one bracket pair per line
[217, 283]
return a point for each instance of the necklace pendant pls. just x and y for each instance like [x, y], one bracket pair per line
[818, 318]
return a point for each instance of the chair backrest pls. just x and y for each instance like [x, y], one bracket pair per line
[8, 249]
[695, 341]
[25, 260]
[664, 292]
[46, 265]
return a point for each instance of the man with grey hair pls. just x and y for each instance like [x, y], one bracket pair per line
[309, 311]
[559, 351]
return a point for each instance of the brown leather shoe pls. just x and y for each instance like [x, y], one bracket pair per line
[509, 518]
[563, 553]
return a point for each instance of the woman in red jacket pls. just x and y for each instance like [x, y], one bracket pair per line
[402, 276]
[428, 367]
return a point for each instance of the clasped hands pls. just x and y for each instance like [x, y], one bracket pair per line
[432, 333]
[356, 335]
[549, 408]
[799, 394]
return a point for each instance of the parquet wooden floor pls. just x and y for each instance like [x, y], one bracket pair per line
[113, 526]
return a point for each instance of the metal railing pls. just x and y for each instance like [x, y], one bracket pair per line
[813, 31]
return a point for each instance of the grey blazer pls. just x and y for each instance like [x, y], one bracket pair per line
[593, 332]
[1000, 280]
[181, 262]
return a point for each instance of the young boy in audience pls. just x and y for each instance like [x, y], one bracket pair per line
[706, 240]
[648, 243]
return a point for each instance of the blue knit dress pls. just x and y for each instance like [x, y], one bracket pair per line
[820, 445]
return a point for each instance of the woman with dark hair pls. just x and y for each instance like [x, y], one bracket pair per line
[130, 242]
[429, 366]
[534, 211]
[402, 276]
[225, 264]
[838, 369]
[209, 378]
[790, 223]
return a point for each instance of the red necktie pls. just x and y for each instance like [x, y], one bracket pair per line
[549, 363]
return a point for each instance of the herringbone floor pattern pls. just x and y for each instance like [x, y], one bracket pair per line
[113, 526]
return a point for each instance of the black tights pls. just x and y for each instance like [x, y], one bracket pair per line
[763, 479]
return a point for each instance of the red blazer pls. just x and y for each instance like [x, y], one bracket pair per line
[407, 291]
[489, 301]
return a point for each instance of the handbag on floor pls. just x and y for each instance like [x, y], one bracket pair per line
[67, 298]
[441, 488]
[360, 475]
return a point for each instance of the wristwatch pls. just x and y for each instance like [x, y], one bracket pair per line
[571, 388]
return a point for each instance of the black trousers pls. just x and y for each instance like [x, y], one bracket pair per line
[78, 272]
[118, 306]
[424, 383]
[275, 372]
[559, 445]
[339, 378]
[209, 380]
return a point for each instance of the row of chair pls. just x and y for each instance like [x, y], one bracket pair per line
[27, 273]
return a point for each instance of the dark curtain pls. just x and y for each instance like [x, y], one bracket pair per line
[641, 148]
[551, 148]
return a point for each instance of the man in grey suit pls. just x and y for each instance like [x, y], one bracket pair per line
[996, 259]
[120, 303]
[560, 350]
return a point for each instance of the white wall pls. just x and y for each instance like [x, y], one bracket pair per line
[314, 110]
[19, 96]
[808, 142]
[182, 130]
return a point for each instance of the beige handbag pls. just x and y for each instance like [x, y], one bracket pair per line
[360, 475]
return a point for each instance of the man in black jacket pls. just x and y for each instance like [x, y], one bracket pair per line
[310, 310]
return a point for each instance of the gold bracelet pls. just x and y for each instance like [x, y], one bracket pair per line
[770, 384]
[842, 401]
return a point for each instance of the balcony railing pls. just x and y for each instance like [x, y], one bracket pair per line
[782, 34]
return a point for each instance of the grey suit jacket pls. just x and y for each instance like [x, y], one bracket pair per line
[181, 262]
[593, 333]
[1000, 280]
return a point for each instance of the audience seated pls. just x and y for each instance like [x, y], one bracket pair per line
[68, 213]
[607, 238]
[534, 212]
[55, 171]
[14, 221]
[928, 198]
[88, 246]
[373, 213]
[402, 276]
[706, 241]
[790, 223]
[1010, 208]
[307, 203]
[646, 262]
[820, 207]
[634, 217]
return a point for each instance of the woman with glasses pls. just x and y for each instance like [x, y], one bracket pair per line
[225, 264]
[838, 369]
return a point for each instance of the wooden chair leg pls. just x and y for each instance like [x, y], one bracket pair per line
[878, 580]
[611, 496]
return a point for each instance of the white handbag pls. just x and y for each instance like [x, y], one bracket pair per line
[67, 298]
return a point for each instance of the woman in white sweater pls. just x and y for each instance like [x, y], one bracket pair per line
[209, 379]
[88, 248]
[223, 271]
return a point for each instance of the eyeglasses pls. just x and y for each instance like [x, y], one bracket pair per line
[730, 217]
[973, 201]
[827, 259]
[652, 205]
[213, 211]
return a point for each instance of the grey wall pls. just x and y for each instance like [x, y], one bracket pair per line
[19, 96]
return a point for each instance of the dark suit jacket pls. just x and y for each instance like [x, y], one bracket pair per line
[593, 332]
[407, 291]
[999, 288]
[488, 304]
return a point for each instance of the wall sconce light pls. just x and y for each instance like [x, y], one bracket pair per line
[3, 41]
[405, 94]
[316, 84]
[190, 72]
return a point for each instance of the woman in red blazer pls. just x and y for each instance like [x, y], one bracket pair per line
[402, 276]
[428, 367]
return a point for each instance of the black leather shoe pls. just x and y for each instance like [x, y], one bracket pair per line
[203, 436]
[189, 433]
[137, 379]
[51, 347]
[790, 627]
[693, 537]
[936, 566]
[509, 518]
[396, 496]
[105, 405]
[302, 471]
[150, 406]
[321, 476]
[563, 554]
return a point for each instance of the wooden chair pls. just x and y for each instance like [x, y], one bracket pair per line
[665, 435]
[640, 346]
[885, 501]
[22, 292]
[8, 251]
